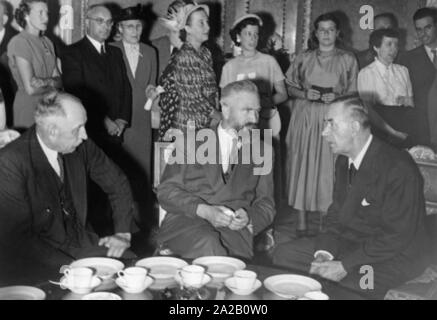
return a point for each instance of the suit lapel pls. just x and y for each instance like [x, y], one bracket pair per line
[44, 174]
[213, 171]
[77, 183]
[119, 44]
[364, 180]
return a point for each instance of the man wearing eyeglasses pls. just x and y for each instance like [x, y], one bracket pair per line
[95, 72]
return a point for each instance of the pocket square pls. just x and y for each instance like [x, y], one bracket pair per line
[364, 203]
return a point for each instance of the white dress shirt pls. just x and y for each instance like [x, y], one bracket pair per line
[96, 44]
[430, 53]
[381, 84]
[357, 163]
[133, 55]
[2, 35]
[226, 142]
[52, 156]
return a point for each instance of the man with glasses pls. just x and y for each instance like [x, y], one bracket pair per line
[95, 73]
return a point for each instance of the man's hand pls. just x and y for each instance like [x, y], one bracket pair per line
[151, 92]
[37, 83]
[116, 244]
[320, 257]
[328, 97]
[214, 215]
[331, 270]
[111, 127]
[121, 126]
[240, 220]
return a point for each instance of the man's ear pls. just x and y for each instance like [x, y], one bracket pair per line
[225, 109]
[5, 19]
[356, 126]
[52, 130]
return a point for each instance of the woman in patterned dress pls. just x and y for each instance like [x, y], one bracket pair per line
[189, 81]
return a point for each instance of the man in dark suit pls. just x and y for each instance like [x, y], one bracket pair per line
[96, 73]
[376, 220]
[381, 21]
[7, 84]
[43, 194]
[422, 63]
[217, 208]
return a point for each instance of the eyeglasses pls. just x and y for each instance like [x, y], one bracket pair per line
[101, 21]
[132, 28]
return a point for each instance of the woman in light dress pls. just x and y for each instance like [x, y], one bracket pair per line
[32, 61]
[315, 79]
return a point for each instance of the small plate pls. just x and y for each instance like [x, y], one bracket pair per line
[105, 268]
[291, 286]
[220, 267]
[206, 279]
[230, 284]
[146, 284]
[21, 293]
[94, 284]
[162, 267]
[101, 296]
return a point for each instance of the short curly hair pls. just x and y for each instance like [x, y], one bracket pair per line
[240, 26]
[23, 10]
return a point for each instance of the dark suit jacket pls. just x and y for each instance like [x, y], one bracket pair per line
[7, 83]
[365, 58]
[184, 186]
[423, 75]
[382, 216]
[31, 219]
[162, 45]
[101, 82]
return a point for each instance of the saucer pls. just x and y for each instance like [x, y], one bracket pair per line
[101, 296]
[206, 279]
[230, 284]
[146, 284]
[94, 283]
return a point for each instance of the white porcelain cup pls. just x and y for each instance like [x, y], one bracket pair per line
[79, 277]
[316, 295]
[192, 275]
[133, 277]
[244, 279]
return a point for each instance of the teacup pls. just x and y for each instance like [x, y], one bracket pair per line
[79, 277]
[133, 277]
[192, 275]
[244, 279]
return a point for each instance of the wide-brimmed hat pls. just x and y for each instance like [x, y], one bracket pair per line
[177, 20]
[131, 13]
[247, 16]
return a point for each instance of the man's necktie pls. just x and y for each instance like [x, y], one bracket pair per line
[352, 173]
[233, 156]
[434, 57]
[61, 167]
[102, 49]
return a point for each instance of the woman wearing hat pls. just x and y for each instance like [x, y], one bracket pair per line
[190, 87]
[262, 68]
[141, 66]
[316, 78]
[265, 71]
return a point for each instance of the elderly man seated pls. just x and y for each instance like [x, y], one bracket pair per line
[216, 207]
[375, 237]
[43, 193]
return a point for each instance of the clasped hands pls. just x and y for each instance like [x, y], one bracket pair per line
[314, 95]
[222, 217]
[329, 269]
[115, 127]
[116, 244]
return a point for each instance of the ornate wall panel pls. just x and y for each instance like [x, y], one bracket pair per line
[349, 11]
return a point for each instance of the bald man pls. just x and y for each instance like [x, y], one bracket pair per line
[43, 194]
